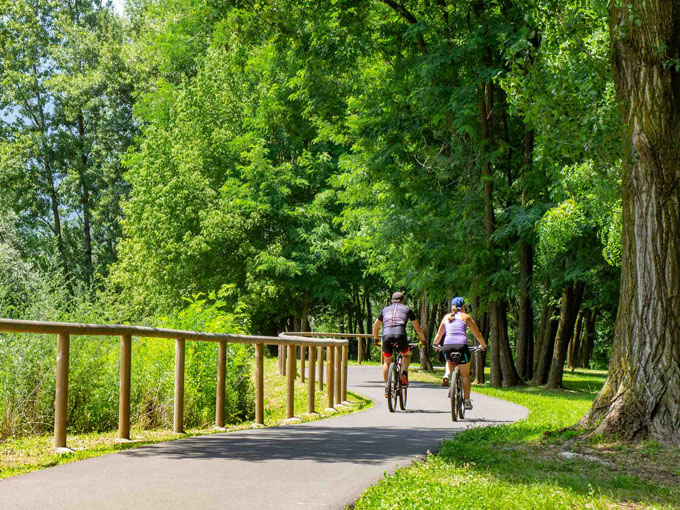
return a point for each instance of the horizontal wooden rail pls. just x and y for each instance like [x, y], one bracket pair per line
[321, 334]
[64, 330]
[72, 328]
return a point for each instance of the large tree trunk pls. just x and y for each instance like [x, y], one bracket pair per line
[425, 362]
[480, 356]
[588, 339]
[546, 351]
[571, 302]
[575, 343]
[495, 373]
[525, 335]
[85, 197]
[640, 396]
[509, 373]
[541, 335]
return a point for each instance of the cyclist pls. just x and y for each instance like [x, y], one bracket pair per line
[454, 326]
[394, 318]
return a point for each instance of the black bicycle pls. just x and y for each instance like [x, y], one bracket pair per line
[456, 392]
[397, 391]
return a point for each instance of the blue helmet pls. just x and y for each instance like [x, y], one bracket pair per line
[458, 302]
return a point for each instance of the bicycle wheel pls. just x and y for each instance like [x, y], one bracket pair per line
[461, 399]
[402, 397]
[453, 394]
[392, 386]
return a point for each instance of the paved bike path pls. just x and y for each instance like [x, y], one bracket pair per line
[322, 464]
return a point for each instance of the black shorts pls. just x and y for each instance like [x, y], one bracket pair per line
[463, 349]
[401, 341]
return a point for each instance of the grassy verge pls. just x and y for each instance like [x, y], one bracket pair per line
[522, 466]
[22, 455]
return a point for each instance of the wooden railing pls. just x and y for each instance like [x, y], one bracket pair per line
[336, 392]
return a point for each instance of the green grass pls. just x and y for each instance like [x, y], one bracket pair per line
[22, 455]
[519, 466]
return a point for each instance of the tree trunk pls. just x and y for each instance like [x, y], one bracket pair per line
[494, 333]
[425, 362]
[575, 343]
[85, 197]
[541, 335]
[508, 371]
[640, 397]
[588, 339]
[571, 302]
[547, 347]
[480, 356]
[525, 336]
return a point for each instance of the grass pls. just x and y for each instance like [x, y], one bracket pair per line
[519, 466]
[22, 455]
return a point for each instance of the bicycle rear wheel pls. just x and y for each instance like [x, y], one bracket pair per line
[402, 397]
[461, 399]
[453, 394]
[393, 387]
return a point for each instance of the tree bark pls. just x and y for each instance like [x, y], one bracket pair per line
[571, 302]
[547, 347]
[575, 343]
[508, 371]
[425, 362]
[525, 336]
[588, 339]
[495, 375]
[640, 397]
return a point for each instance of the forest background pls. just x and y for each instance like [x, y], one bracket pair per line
[261, 166]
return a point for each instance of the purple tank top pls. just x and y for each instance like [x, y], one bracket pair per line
[455, 331]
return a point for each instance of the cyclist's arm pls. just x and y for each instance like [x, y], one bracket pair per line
[416, 326]
[440, 333]
[376, 330]
[475, 330]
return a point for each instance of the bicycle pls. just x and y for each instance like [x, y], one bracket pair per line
[397, 392]
[456, 392]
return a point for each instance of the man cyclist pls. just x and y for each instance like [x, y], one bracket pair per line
[394, 318]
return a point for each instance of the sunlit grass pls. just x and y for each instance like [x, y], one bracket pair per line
[519, 466]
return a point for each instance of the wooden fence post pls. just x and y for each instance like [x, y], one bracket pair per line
[338, 379]
[302, 363]
[124, 393]
[311, 390]
[330, 371]
[360, 350]
[343, 386]
[290, 382]
[61, 393]
[178, 425]
[319, 368]
[221, 379]
[259, 384]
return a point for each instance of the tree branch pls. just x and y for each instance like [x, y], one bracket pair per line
[406, 14]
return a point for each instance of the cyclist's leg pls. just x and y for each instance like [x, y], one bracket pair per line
[387, 355]
[465, 375]
[405, 351]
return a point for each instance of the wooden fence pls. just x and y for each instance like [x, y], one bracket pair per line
[336, 391]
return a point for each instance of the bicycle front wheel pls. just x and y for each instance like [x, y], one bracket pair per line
[453, 394]
[393, 387]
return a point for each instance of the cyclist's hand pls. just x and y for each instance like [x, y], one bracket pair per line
[421, 344]
[376, 341]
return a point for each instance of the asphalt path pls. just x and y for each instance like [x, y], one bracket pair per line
[321, 464]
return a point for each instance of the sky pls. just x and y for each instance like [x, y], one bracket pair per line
[119, 6]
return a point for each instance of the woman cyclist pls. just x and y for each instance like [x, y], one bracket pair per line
[454, 326]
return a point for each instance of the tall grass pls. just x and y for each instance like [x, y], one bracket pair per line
[27, 369]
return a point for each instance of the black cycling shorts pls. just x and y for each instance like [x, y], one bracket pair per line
[401, 341]
[463, 349]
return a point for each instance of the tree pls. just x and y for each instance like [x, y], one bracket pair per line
[639, 398]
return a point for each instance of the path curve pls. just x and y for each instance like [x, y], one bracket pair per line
[322, 464]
